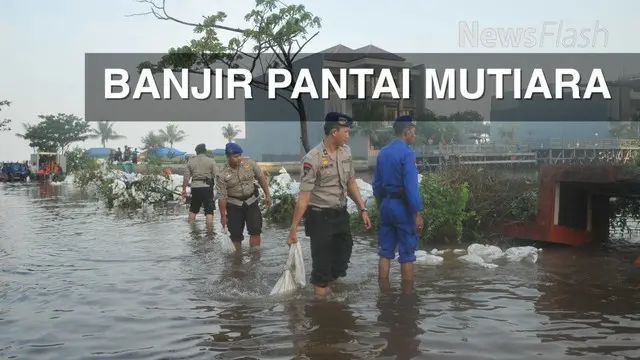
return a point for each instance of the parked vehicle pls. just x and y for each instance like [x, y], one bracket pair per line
[14, 172]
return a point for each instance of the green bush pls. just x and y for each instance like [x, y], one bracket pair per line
[282, 205]
[77, 159]
[457, 202]
[445, 208]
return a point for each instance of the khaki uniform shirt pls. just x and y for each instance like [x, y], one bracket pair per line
[199, 168]
[326, 177]
[233, 185]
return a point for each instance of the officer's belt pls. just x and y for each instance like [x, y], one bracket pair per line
[243, 198]
[328, 209]
[241, 201]
[207, 180]
[395, 195]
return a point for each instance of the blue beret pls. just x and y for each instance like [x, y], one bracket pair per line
[336, 118]
[404, 120]
[232, 148]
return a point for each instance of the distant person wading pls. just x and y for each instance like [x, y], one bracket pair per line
[328, 176]
[201, 170]
[238, 196]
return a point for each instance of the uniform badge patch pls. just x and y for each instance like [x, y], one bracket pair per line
[306, 167]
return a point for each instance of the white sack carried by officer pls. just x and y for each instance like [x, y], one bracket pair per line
[294, 273]
[327, 179]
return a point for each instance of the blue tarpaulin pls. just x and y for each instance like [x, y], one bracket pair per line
[168, 152]
[99, 152]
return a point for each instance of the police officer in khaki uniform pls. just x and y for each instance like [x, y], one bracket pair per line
[327, 178]
[201, 170]
[238, 196]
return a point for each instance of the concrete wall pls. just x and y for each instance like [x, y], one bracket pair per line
[272, 129]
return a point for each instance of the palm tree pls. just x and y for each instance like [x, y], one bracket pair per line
[152, 141]
[26, 127]
[230, 132]
[4, 124]
[104, 131]
[172, 134]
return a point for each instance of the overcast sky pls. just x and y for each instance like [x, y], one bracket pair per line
[44, 42]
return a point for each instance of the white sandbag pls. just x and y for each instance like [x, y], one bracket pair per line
[488, 253]
[227, 245]
[437, 252]
[520, 253]
[422, 257]
[298, 270]
[477, 260]
[459, 251]
[287, 282]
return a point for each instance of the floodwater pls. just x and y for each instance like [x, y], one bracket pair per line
[79, 283]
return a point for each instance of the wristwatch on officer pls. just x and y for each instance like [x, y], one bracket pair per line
[364, 210]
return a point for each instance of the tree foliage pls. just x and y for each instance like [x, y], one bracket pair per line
[77, 159]
[172, 134]
[5, 124]
[152, 141]
[274, 37]
[372, 121]
[55, 133]
[625, 129]
[470, 122]
[104, 131]
[230, 132]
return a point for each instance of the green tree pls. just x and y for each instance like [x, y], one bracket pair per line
[371, 121]
[4, 124]
[470, 122]
[104, 131]
[172, 134]
[55, 133]
[230, 132]
[274, 37]
[626, 129]
[431, 125]
[152, 141]
[77, 159]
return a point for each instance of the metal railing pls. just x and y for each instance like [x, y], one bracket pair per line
[526, 146]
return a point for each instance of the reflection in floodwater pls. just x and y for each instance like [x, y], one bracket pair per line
[598, 312]
[330, 329]
[399, 314]
[79, 282]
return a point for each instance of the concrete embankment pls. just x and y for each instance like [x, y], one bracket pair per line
[292, 167]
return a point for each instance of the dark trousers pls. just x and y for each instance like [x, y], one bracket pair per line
[331, 244]
[238, 216]
[202, 197]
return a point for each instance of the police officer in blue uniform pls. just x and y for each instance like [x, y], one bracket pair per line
[395, 188]
[327, 178]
